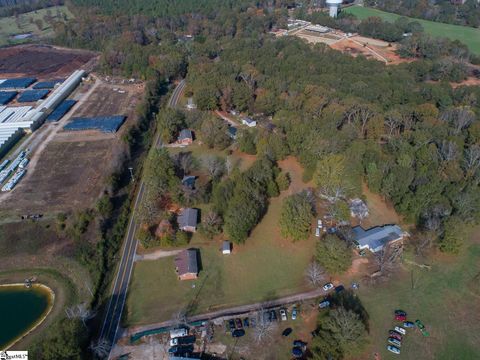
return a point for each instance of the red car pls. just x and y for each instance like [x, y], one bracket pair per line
[395, 335]
[401, 317]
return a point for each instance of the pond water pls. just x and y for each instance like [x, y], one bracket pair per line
[21, 309]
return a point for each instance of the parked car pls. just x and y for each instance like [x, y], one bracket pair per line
[246, 322]
[328, 286]
[294, 313]
[297, 352]
[400, 330]
[300, 344]
[273, 315]
[231, 324]
[400, 317]
[317, 232]
[395, 335]
[408, 324]
[287, 332]
[319, 223]
[324, 304]
[283, 314]
[238, 333]
[400, 312]
[339, 288]
[393, 349]
[181, 350]
[238, 323]
[395, 342]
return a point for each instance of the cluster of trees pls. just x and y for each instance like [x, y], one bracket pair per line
[414, 142]
[341, 332]
[16, 7]
[445, 11]
[296, 216]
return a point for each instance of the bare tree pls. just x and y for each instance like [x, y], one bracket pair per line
[388, 259]
[393, 121]
[215, 166]
[180, 317]
[423, 242]
[447, 150]
[315, 274]
[460, 118]
[263, 331]
[101, 348]
[81, 312]
[185, 162]
[360, 114]
[472, 160]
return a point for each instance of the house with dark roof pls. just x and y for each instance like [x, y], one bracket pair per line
[185, 137]
[377, 238]
[188, 219]
[189, 181]
[186, 264]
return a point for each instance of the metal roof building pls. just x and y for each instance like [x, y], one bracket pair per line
[376, 238]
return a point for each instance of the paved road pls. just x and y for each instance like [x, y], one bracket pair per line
[243, 309]
[118, 296]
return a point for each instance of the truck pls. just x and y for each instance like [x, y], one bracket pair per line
[179, 332]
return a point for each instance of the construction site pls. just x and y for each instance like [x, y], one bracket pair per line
[60, 131]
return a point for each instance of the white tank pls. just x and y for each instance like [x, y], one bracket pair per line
[334, 5]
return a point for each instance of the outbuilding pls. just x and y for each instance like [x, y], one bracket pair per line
[249, 122]
[377, 238]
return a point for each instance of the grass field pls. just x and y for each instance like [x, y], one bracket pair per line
[467, 35]
[25, 23]
[443, 299]
[260, 270]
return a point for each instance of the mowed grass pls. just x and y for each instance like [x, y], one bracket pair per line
[25, 23]
[264, 268]
[443, 299]
[467, 35]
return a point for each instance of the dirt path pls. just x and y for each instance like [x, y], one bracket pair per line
[158, 254]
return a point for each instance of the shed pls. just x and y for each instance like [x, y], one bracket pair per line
[186, 264]
[226, 247]
[358, 208]
[185, 137]
[376, 238]
[232, 132]
[187, 220]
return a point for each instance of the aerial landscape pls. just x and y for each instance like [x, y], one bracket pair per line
[240, 179]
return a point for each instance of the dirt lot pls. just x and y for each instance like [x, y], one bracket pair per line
[71, 170]
[43, 61]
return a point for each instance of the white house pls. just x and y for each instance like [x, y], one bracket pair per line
[376, 238]
[249, 122]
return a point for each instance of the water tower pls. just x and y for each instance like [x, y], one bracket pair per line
[333, 6]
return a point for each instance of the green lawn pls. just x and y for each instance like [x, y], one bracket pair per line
[25, 23]
[467, 35]
[260, 270]
[443, 299]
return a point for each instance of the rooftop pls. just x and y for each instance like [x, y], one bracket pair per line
[377, 237]
[187, 262]
[185, 134]
[188, 217]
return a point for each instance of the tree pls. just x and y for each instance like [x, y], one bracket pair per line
[283, 181]
[296, 216]
[215, 166]
[315, 274]
[453, 237]
[331, 177]
[211, 224]
[264, 328]
[185, 161]
[333, 254]
[214, 133]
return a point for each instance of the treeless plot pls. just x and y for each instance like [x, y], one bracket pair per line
[42, 61]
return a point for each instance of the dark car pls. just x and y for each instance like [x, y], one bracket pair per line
[238, 323]
[231, 324]
[246, 322]
[408, 324]
[400, 312]
[297, 352]
[238, 333]
[395, 335]
[273, 315]
[181, 350]
[300, 344]
[339, 288]
[287, 332]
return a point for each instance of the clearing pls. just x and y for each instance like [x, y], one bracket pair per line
[43, 61]
[445, 298]
[33, 25]
[467, 35]
[261, 269]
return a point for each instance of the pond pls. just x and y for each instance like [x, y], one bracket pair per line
[21, 310]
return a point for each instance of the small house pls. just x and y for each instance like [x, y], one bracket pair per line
[232, 132]
[358, 208]
[377, 238]
[249, 122]
[186, 264]
[226, 247]
[190, 104]
[188, 219]
[185, 137]
[189, 181]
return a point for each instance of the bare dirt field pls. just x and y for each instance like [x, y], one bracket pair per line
[43, 61]
[70, 171]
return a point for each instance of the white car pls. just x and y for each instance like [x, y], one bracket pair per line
[317, 232]
[400, 330]
[294, 313]
[328, 286]
[319, 223]
[283, 315]
[393, 349]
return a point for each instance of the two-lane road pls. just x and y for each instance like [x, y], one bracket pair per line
[118, 295]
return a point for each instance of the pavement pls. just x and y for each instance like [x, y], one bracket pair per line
[118, 294]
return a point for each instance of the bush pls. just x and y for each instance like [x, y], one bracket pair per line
[333, 254]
